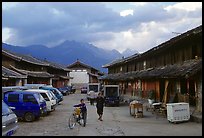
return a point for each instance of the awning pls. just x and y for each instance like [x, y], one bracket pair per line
[8, 73]
[95, 75]
[182, 70]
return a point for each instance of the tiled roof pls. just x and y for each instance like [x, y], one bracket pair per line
[66, 77]
[80, 63]
[21, 57]
[182, 70]
[34, 73]
[7, 73]
[57, 66]
[95, 75]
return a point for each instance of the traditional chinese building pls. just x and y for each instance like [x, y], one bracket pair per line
[61, 74]
[12, 78]
[172, 70]
[83, 74]
[37, 71]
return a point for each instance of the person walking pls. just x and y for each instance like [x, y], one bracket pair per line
[99, 105]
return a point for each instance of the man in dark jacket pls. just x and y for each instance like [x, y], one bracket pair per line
[99, 105]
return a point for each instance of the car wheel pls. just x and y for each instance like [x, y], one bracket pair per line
[29, 117]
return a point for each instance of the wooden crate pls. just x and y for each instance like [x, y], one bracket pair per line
[139, 115]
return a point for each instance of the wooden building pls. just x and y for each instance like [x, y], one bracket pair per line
[172, 70]
[12, 78]
[37, 71]
[61, 74]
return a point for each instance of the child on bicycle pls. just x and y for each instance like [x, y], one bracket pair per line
[83, 108]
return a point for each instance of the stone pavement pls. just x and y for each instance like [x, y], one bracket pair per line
[195, 115]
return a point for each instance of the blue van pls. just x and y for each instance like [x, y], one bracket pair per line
[57, 93]
[26, 105]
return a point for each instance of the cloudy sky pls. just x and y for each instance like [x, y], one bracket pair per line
[113, 25]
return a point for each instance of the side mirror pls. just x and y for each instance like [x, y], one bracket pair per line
[12, 107]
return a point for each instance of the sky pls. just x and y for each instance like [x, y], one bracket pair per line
[138, 26]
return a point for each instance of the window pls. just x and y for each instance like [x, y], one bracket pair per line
[13, 97]
[44, 95]
[144, 65]
[29, 98]
[121, 68]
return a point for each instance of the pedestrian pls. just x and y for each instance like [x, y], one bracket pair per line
[99, 105]
[83, 108]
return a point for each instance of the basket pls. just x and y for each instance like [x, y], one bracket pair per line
[77, 111]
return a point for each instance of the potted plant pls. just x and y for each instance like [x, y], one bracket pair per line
[151, 96]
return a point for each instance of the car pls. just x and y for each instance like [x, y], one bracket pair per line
[57, 93]
[73, 89]
[51, 102]
[69, 89]
[112, 95]
[84, 90]
[26, 105]
[92, 87]
[64, 90]
[9, 120]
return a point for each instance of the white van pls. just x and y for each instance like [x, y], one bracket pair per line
[93, 88]
[9, 120]
[50, 100]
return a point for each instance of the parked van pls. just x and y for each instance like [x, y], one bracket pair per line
[33, 86]
[11, 88]
[57, 93]
[9, 120]
[50, 100]
[112, 95]
[92, 88]
[26, 105]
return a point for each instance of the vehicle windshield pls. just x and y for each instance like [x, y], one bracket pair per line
[53, 95]
[44, 95]
[5, 109]
[39, 97]
[93, 88]
[111, 91]
[49, 94]
[57, 91]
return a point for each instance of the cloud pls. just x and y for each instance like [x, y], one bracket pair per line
[6, 34]
[138, 26]
[126, 12]
[187, 6]
[139, 3]
[10, 5]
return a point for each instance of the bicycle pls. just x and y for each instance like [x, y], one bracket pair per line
[77, 117]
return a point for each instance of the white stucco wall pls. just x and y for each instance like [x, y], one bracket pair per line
[79, 76]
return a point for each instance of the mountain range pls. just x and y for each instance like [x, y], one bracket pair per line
[69, 51]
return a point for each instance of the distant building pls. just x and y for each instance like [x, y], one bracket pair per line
[61, 74]
[83, 74]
